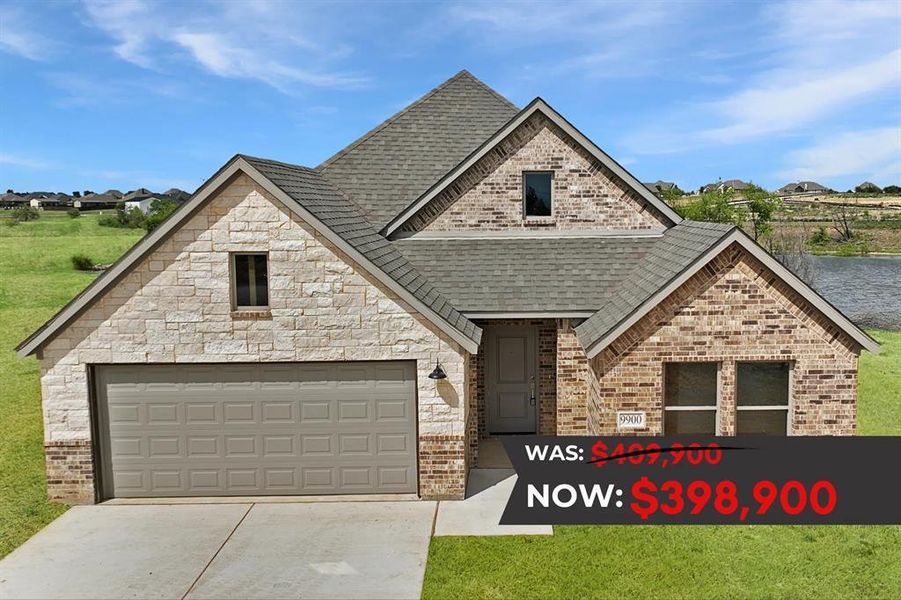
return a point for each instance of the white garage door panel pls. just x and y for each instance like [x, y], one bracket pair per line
[207, 430]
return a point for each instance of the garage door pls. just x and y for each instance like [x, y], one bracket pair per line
[239, 429]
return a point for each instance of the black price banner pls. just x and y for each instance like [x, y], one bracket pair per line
[704, 480]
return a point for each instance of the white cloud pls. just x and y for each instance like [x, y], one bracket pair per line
[794, 100]
[22, 162]
[813, 60]
[214, 53]
[18, 36]
[870, 154]
[242, 40]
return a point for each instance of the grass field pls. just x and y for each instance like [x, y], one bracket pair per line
[36, 278]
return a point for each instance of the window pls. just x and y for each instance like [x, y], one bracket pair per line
[537, 194]
[690, 393]
[249, 281]
[762, 398]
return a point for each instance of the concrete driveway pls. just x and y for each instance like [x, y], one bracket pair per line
[296, 550]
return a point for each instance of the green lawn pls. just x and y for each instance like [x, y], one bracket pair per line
[693, 561]
[36, 279]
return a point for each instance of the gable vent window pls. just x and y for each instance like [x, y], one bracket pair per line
[250, 282]
[537, 193]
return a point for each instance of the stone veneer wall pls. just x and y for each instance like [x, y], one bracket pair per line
[477, 421]
[732, 310]
[174, 307]
[489, 195]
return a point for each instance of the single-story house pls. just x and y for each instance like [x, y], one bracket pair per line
[465, 270]
[802, 187]
[660, 186]
[96, 201]
[736, 185]
[143, 204]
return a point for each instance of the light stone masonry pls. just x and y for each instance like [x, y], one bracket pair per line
[174, 306]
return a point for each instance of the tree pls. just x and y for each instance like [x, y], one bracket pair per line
[713, 206]
[892, 189]
[843, 217]
[762, 207]
[159, 212]
[76, 194]
[672, 195]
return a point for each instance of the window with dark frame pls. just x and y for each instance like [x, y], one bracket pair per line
[251, 282]
[537, 194]
[690, 393]
[762, 398]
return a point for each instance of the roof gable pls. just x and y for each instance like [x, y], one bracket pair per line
[683, 251]
[320, 205]
[536, 106]
[393, 164]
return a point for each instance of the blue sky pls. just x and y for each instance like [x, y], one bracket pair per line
[122, 94]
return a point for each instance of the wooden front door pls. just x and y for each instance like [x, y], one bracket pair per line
[511, 368]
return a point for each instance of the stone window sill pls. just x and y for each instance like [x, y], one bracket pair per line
[540, 221]
[250, 315]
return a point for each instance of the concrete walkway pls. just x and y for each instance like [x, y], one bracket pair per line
[487, 493]
[320, 550]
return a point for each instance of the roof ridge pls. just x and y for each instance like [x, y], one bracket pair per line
[276, 162]
[416, 103]
[322, 176]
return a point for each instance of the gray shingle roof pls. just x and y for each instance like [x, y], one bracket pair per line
[523, 275]
[313, 192]
[392, 165]
[680, 247]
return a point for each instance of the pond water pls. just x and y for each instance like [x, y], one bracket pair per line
[866, 288]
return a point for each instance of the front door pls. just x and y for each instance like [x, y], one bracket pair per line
[511, 367]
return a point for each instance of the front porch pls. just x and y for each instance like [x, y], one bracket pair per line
[527, 378]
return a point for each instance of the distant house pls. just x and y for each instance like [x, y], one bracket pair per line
[736, 185]
[12, 200]
[47, 199]
[179, 196]
[96, 201]
[659, 186]
[142, 204]
[138, 194]
[802, 187]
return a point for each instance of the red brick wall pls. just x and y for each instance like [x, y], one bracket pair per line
[70, 471]
[442, 467]
[732, 310]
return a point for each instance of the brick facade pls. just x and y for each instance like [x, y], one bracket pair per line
[174, 307]
[732, 310]
[70, 471]
[477, 422]
[489, 195]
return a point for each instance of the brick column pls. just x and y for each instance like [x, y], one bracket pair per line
[572, 383]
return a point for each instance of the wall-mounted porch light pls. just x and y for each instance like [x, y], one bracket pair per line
[438, 372]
